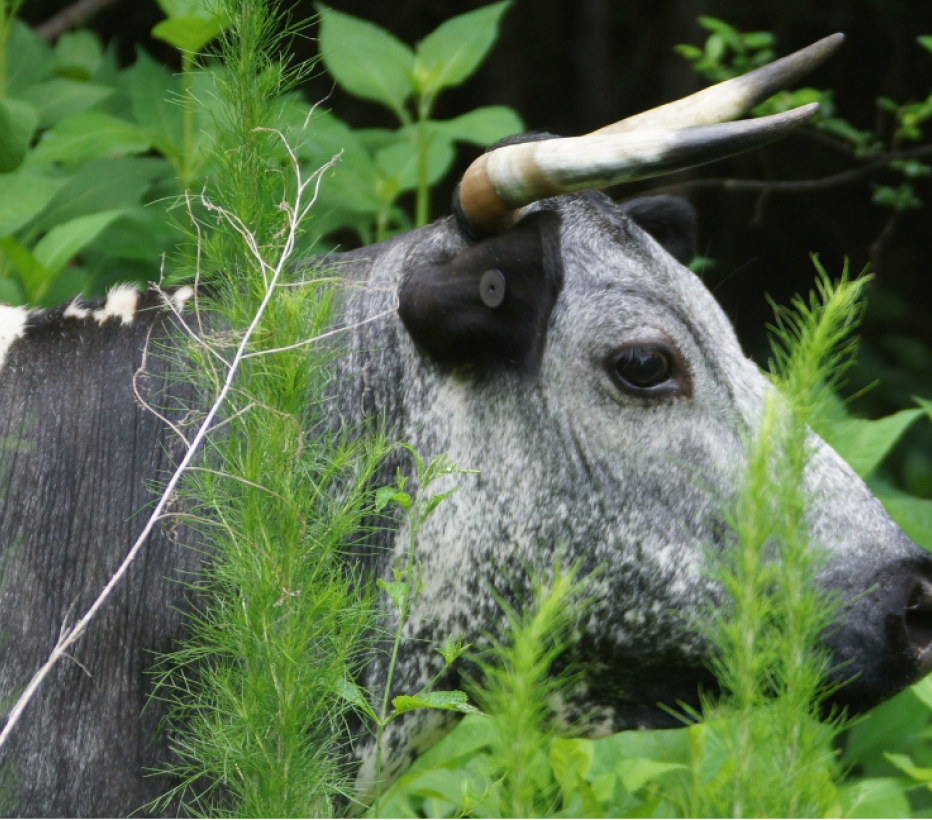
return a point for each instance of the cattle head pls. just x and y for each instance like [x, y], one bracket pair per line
[555, 342]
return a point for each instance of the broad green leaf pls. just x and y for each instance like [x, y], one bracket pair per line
[78, 54]
[17, 123]
[22, 196]
[451, 53]
[905, 764]
[452, 701]
[158, 115]
[482, 126]
[569, 758]
[11, 294]
[891, 725]
[190, 33]
[59, 98]
[923, 691]
[89, 135]
[398, 162]
[913, 515]
[925, 41]
[875, 797]
[366, 60]
[140, 233]
[27, 58]
[864, 444]
[635, 772]
[383, 497]
[101, 185]
[64, 241]
[31, 272]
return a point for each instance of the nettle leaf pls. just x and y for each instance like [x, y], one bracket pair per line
[482, 126]
[456, 48]
[89, 135]
[62, 242]
[864, 444]
[17, 124]
[190, 33]
[453, 701]
[23, 196]
[366, 60]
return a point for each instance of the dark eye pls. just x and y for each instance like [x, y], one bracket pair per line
[647, 370]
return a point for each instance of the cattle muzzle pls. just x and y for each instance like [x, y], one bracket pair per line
[883, 642]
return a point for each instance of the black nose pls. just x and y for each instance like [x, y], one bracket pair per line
[917, 624]
[882, 641]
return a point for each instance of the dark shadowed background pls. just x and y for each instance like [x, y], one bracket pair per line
[570, 66]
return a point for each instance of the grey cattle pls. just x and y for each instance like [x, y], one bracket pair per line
[586, 377]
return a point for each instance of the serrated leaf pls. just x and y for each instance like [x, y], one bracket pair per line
[67, 239]
[189, 33]
[89, 135]
[366, 60]
[22, 196]
[456, 48]
[453, 701]
[59, 98]
[482, 126]
[864, 444]
[17, 123]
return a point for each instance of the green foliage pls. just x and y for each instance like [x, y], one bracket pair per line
[372, 64]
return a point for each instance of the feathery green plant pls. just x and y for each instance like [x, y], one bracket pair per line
[764, 639]
[279, 493]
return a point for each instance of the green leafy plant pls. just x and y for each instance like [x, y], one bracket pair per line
[379, 165]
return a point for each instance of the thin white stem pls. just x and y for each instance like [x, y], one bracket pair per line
[69, 636]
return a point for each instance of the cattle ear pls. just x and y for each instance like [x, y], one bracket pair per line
[670, 220]
[488, 307]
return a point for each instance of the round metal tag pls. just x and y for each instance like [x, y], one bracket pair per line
[492, 288]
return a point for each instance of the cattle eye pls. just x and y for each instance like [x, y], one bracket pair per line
[646, 369]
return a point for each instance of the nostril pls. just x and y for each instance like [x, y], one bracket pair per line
[918, 620]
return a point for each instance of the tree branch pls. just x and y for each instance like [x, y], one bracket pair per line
[70, 17]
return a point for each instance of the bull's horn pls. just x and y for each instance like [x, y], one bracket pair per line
[502, 181]
[732, 98]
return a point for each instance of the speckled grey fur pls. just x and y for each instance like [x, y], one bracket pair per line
[567, 461]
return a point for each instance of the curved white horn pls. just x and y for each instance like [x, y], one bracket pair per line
[730, 99]
[502, 181]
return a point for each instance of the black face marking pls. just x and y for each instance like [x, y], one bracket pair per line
[488, 307]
